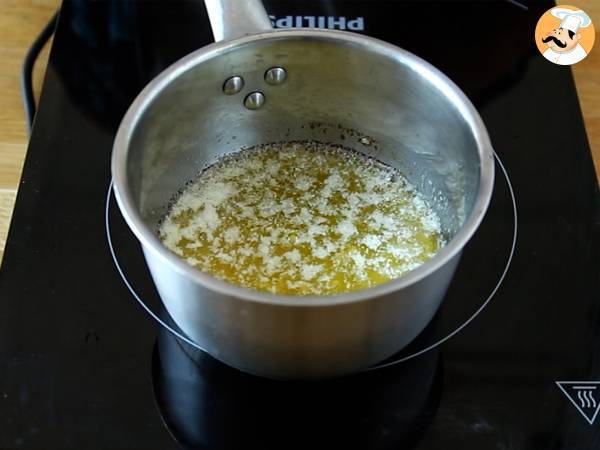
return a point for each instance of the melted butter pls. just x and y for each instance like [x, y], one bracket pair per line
[301, 219]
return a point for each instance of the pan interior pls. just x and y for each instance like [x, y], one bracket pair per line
[371, 100]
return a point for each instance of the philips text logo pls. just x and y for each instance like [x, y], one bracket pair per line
[331, 22]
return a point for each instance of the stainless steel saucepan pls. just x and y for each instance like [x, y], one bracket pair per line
[259, 85]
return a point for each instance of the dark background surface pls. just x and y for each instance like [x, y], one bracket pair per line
[80, 362]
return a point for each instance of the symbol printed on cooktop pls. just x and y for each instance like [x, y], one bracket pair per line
[585, 396]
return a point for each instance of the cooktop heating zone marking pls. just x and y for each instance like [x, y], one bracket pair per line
[376, 367]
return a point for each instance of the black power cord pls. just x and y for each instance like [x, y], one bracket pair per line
[27, 70]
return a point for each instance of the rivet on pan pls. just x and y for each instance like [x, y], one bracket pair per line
[233, 85]
[254, 100]
[275, 75]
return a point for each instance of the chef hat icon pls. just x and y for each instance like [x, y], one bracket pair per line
[571, 20]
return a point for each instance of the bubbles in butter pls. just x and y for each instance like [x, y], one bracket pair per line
[301, 219]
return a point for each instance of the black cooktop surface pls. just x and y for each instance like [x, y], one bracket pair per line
[82, 365]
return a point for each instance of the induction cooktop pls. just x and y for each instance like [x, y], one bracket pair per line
[89, 359]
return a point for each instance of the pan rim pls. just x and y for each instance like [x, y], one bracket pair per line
[150, 241]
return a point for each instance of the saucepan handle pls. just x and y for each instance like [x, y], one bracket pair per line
[230, 19]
